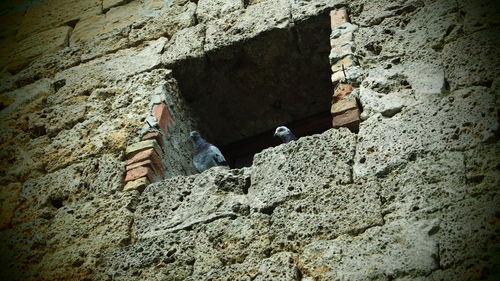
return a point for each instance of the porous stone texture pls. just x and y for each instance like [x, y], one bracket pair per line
[412, 196]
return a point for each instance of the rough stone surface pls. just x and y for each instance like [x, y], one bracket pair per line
[38, 44]
[56, 13]
[208, 10]
[397, 248]
[270, 189]
[412, 196]
[462, 120]
[244, 24]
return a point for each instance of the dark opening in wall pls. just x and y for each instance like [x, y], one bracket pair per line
[242, 92]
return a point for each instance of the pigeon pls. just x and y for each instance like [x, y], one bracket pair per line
[285, 134]
[205, 155]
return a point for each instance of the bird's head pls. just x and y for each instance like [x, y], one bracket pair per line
[281, 131]
[195, 135]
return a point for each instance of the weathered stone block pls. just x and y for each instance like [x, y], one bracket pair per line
[186, 43]
[166, 23]
[270, 185]
[341, 91]
[115, 19]
[140, 146]
[189, 201]
[150, 5]
[341, 53]
[304, 9]
[245, 24]
[405, 247]
[458, 122]
[41, 43]
[344, 105]
[87, 29]
[342, 61]
[338, 17]
[213, 9]
[349, 119]
[337, 76]
[469, 61]
[162, 115]
[55, 13]
[140, 172]
[350, 75]
[138, 184]
[343, 29]
[341, 40]
[108, 4]
[469, 229]
[122, 16]
[109, 68]
[327, 214]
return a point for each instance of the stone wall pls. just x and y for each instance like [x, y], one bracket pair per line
[413, 195]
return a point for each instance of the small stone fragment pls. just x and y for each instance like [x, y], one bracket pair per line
[138, 184]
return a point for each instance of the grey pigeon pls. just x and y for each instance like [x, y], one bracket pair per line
[285, 134]
[205, 155]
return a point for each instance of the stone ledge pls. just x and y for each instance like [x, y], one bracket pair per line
[30, 48]
[53, 13]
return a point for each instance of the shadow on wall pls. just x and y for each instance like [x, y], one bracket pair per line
[242, 92]
[8, 7]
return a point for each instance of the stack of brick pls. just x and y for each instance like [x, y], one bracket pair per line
[345, 71]
[145, 163]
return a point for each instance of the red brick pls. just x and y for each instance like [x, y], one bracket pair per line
[154, 136]
[140, 172]
[338, 17]
[162, 115]
[341, 91]
[148, 154]
[343, 105]
[349, 119]
[156, 167]
[141, 156]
